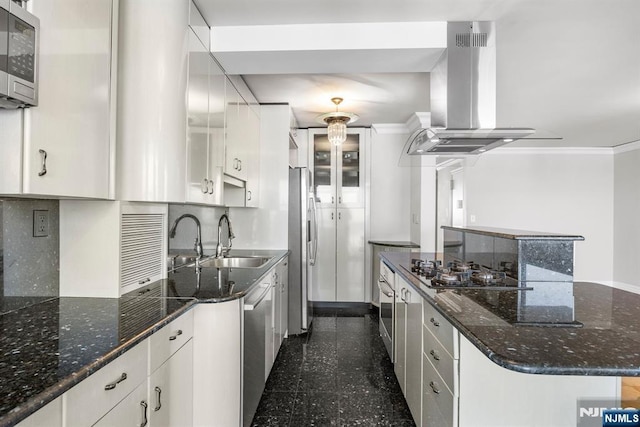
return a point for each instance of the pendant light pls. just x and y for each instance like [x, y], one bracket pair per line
[337, 123]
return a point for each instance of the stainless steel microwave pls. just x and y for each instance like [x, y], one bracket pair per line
[19, 36]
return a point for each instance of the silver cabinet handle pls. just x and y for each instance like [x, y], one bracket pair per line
[158, 402]
[239, 165]
[211, 186]
[205, 185]
[340, 199]
[43, 154]
[434, 387]
[249, 195]
[113, 385]
[332, 214]
[144, 406]
[434, 355]
[339, 215]
[407, 297]
[332, 199]
[435, 322]
[142, 282]
[173, 337]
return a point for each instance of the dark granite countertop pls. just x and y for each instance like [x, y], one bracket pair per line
[213, 285]
[394, 243]
[514, 234]
[49, 344]
[557, 328]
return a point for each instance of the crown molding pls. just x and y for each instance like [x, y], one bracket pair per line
[390, 128]
[630, 146]
[552, 150]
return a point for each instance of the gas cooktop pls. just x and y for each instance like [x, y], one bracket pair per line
[458, 274]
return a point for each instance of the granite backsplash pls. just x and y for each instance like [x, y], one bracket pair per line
[29, 266]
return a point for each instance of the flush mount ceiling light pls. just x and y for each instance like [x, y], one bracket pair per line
[337, 123]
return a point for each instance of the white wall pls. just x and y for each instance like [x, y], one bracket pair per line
[563, 191]
[626, 233]
[267, 227]
[414, 204]
[390, 188]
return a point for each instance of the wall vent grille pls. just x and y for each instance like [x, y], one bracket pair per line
[471, 39]
[141, 243]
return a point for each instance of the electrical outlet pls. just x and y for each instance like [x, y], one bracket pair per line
[40, 223]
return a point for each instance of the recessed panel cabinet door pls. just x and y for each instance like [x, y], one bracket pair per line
[324, 272]
[69, 134]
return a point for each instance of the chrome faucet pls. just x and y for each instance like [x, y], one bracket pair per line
[198, 243]
[219, 248]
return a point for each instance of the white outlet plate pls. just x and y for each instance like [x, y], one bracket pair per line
[40, 223]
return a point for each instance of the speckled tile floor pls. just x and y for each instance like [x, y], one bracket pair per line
[337, 375]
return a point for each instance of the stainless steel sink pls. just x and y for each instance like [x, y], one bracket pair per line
[236, 262]
[175, 261]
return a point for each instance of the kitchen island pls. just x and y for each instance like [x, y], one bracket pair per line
[51, 344]
[579, 338]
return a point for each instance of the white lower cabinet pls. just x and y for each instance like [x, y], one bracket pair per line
[408, 345]
[124, 392]
[132, 411]
[94, 397]
[439, 370]
[170, 391]
[50, 416]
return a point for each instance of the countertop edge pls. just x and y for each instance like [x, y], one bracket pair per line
[514, 234]
[40, 400]
[394, 243]
[499, 359]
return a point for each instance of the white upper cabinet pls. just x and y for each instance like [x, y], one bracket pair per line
[69, 136]
[205, 120]
[152, 109]
[338, 171]
[237, 117]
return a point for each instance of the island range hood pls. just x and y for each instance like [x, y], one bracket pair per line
[463, 97]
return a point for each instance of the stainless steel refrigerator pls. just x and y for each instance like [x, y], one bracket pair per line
[303, 246]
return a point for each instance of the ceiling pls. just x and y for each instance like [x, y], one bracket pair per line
[569, 67]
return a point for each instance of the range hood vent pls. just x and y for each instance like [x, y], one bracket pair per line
[463, 97]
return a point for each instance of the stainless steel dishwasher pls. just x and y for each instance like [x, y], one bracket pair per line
[257, 306]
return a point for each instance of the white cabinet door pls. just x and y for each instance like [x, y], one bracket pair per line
[237, 116]
[350, 255]
[413, 355]
[198, 185]
[252, 158]
[324, 273]
[399, 340]
[171, 390]
[132, 411]
[283, 279]
[74, 122]
[338, 171]
[151, 155]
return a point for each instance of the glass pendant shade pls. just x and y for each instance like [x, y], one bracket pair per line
[337, 132]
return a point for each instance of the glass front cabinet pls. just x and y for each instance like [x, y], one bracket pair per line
[338, 171]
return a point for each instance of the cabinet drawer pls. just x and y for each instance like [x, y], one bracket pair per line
[88, 401]
[441, 360]
[441, 329]
[386, 273]
[439, 405]
[165, 342]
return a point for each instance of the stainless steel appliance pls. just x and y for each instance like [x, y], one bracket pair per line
[303, 245]
[19, 32]
[256, 306]
[458, 274]
[387, 304]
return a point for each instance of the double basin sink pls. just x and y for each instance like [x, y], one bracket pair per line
[232, 261]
